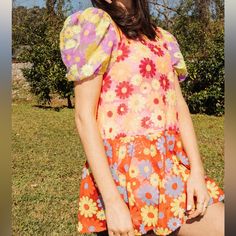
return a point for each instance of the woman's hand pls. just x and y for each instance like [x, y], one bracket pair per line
[197, 195]
[118, 218]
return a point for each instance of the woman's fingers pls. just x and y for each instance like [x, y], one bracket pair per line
[190, 201]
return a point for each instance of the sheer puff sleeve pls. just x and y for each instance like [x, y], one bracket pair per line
[177, 59]
[87, 41]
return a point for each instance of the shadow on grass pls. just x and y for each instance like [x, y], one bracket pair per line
[54, 108]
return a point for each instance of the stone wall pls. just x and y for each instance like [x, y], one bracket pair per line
[20, 87]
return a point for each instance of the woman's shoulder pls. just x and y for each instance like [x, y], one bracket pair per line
[164, 34]
[92, 16]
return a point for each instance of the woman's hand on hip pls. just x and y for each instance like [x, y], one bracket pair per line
[197, 195]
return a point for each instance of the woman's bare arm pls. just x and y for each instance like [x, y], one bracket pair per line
[196, 185]
[86, 100]
[187, 132]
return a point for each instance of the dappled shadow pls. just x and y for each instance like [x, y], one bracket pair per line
[54, 108]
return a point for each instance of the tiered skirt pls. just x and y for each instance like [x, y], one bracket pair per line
[150, 172]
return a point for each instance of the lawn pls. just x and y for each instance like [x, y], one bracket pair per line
[47, 157]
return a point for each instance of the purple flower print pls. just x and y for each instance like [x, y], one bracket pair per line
[174, 186]
[108, 148]
[149, 194]
[174, 223]
[169, 164]
[131, 149]
[122, 190]
[160, 144]
[182, 158]
[145, 168]
[170, 142]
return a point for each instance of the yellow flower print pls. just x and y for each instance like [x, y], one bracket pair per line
[87, 70]
[79, 227]
[155, 84]
[101, 28]
[213, 189]
[122, 152]
[182, 170]
[136, 79]
[68, 33]
[136, 102]
[94, 53]
[127, 139]
[130, 195]
[71, 43]
[73, 73]
[162, 231]
[175, 169]
[76, 29]
[101, 215]
[87, 206]
[153, 150]
[177, 206]
[162, 198]
[133, 171]
[122, 180]
[154, 179]
[146, 151]
[149, 215]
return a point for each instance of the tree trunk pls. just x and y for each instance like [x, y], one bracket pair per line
[69, 103]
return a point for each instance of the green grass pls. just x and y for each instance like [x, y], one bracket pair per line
[47, 157]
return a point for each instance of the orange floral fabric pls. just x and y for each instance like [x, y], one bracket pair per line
[137, 119]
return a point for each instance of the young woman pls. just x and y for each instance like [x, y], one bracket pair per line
[143, 173]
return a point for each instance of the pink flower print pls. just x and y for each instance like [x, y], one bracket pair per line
[146, 122]
[147, 68]
[124, 89]
[122, 109]
[123, 52]
[106, 82]
[157, 50]
[164, 82]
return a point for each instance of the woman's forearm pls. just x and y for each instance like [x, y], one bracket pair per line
[96, 156]
[189, 138]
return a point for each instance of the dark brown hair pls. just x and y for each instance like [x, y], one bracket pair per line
[133, 24]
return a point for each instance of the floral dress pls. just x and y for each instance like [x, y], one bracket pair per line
[137, 119]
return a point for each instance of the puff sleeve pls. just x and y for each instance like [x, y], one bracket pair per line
[87, 40]
[177, 59]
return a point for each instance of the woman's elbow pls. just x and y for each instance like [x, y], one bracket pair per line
[83, 119]
[182, 105]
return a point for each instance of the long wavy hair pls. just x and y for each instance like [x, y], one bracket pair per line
[133, 24]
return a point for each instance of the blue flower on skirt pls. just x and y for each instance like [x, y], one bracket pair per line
[84, 172]
[182, 158]
[100, 201]
[108, 147]
[145, 168]
[174, 223]
[123, 191]
[142, 229]
[114, 168]
[131, 149]
[169, 164]
[174, 186]
[170, 142]
[160, 144]
[149, 194]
